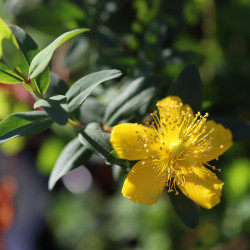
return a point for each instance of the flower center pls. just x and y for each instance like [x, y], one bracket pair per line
[176, 147]
[175, 142]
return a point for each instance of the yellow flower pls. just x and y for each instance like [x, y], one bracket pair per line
[173, 150]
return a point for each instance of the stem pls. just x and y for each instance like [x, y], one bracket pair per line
[75, 124]
[106, 128]
[29, 82]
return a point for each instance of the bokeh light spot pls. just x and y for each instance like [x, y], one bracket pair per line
[77, 180]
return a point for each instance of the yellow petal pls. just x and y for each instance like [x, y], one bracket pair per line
[164, 103]
[202, 186]
[169, 100]
[128, 141]
[221, 141]
[142, 184]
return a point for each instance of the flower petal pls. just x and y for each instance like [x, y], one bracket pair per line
[142, 184]
[164, 103]
[128, 141]
[202, 186]
[221, 141]
[169, 100]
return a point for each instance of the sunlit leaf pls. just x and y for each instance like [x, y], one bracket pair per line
[9, 49]
[22, 124]
[7, 75]
[42, 59]
[29, 50]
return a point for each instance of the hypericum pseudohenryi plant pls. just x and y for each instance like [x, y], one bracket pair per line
[173, 149]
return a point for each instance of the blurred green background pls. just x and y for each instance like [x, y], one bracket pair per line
[141, 37]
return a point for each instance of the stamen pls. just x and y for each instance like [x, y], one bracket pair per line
[175, 144]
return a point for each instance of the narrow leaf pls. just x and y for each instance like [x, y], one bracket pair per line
[91, 111]
[132, 105]
[56, 86]
[188, 87]
[9, 49]
[29, 50]
[96, 140]
[7, 76]
[133, 88]
[56, 107]
[73, 155]
[82, 88]
[187, 210]
[22, 124]
[42, 59]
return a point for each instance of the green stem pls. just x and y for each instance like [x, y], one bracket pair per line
[29, 82]
[75, 124]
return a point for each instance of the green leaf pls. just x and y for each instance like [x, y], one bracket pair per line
[9, 49]
[188, 87]
[56, 107]
[96, 140]
[22, 124]
[132, 89]
[239, 128]
[133, 105]
[7, 76]
[73, 155]
[27, 45]
[187, 210]
[91, 111]
[56, 86]
[82, 88]
[42, 59]
[30, 49]
[138, 94]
